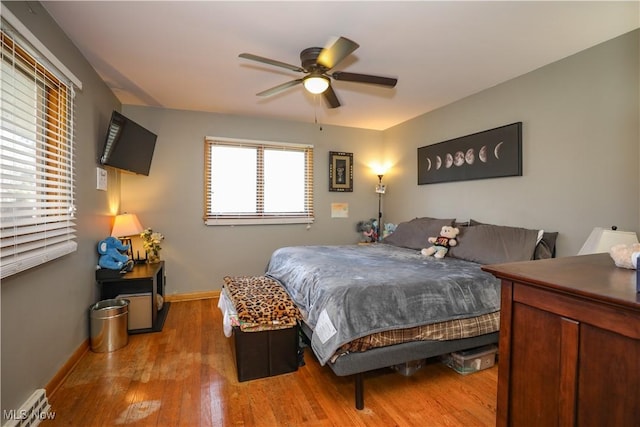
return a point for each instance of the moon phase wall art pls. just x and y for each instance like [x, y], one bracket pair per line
[488, 154]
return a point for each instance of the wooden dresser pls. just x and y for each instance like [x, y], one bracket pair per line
[569, 343]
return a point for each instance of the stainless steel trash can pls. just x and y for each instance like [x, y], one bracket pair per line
[109, 320]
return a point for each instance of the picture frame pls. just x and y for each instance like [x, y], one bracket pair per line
[340, 171]
[488, 154]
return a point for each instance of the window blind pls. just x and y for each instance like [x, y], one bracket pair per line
[37, 186]
[257, 182]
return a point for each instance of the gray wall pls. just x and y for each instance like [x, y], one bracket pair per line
[170, 200]
[580, 149]
[44, 310]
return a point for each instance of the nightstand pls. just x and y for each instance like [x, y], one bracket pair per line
[142, 279]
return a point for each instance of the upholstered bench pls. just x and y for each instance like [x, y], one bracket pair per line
[265, 331]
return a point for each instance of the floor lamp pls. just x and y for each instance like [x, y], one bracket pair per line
[380, 189]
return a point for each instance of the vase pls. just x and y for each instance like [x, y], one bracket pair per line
[153, 257]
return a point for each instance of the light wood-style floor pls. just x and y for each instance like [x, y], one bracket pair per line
[185, 376]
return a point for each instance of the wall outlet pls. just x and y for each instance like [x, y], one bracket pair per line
[101, 179]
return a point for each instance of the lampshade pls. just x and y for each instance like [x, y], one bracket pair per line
[316, 83]
[601, 240]
[126, 225]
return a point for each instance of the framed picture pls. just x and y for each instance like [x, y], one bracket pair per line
[489, 154]
[340, 171]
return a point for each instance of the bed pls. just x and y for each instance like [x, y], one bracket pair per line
[366, 307]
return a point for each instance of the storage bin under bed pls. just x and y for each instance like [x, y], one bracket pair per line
[473, 360]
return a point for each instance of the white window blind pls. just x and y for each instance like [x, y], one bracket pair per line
[37, 187]
[257, 182]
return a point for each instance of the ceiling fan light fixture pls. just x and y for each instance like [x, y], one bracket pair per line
[316, 83]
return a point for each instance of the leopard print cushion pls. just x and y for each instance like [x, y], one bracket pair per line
[261, 303]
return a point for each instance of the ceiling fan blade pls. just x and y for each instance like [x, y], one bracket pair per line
[279, 88]
[331, 97]
[271, 62]
[331, 56]
[364, 78]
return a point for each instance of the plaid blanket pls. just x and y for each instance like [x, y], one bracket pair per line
[443, 331]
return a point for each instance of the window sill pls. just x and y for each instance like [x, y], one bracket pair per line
[257, 221]
[38, 257]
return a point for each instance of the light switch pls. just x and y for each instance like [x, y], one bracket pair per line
[101, 179]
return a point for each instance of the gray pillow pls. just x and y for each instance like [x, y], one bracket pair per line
[414, 234]
[494, 244]
[546, 248]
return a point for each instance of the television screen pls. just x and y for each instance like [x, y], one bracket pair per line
[128, 146]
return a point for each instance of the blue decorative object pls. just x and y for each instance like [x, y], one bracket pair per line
[110, 256]
[389, 228]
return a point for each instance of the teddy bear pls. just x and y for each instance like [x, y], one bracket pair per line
[626, 256]
[442, 243]
[110, 256]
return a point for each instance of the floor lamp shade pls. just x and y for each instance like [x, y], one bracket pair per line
[601, 240]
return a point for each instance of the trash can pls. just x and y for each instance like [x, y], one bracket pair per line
[109, 320]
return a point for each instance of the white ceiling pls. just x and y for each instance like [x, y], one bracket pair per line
[184, 55]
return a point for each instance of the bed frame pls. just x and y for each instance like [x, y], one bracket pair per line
[358, 363]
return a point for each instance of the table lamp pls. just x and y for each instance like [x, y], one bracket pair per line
[601, 240]
[125, 226]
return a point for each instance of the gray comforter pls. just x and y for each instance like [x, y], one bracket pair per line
[347, 292]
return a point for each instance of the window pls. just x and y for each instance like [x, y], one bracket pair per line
[37, 187]
[257, 182]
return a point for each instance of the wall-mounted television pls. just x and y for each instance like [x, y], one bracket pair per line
[128, 146]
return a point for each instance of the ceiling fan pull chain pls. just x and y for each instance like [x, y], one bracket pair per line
[315, 110]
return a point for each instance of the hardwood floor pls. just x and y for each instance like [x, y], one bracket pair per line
[185, 376]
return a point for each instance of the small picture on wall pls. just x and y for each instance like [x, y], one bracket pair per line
[489, 154]
[339, 210]
[340, 171]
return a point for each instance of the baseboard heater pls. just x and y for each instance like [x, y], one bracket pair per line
[31, 413]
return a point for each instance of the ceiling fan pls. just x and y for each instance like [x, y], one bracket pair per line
[317, 63]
